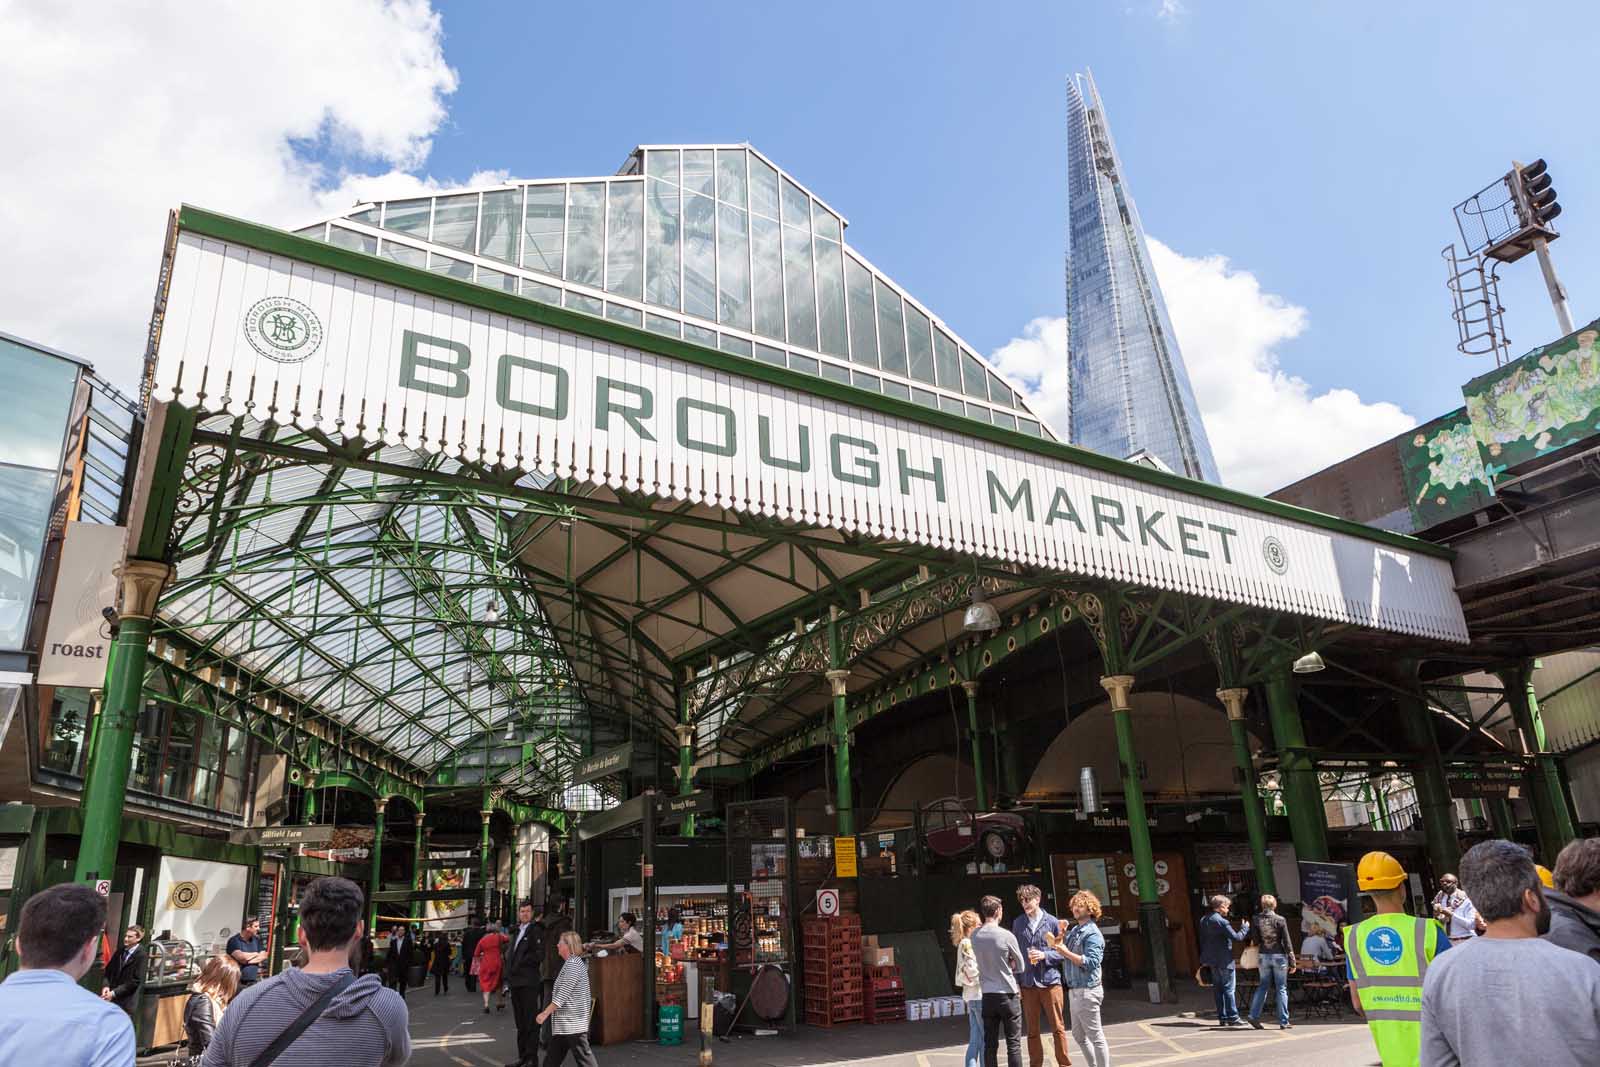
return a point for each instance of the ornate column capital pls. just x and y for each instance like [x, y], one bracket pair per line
[1117, 687]
[142, 582]
[838, 681]
[487, 815]
[419, 817]
[380, 804]
[971, 688]
[685, 732]
[1233, 700]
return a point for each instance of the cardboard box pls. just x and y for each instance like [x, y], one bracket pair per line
[878, 957]
[869, 943]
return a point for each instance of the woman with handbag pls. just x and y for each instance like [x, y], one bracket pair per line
[962, 923]
[208, 999]
[488, 959]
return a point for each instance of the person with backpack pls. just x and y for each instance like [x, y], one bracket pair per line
[322, 1012]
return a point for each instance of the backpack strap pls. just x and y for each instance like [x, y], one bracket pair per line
[300, 1025]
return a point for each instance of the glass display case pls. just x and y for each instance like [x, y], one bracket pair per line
[170, 965]
[170, 962]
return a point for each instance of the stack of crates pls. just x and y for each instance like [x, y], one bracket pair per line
[885, 992]
[834, 980]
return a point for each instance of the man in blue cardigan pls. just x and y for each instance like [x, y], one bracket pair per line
[1040, 980]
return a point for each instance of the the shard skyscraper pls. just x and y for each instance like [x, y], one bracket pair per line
[1130, 391]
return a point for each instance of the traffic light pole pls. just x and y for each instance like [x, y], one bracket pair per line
[1558, 293]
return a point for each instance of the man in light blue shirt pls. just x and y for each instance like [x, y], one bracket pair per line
[45, 1016]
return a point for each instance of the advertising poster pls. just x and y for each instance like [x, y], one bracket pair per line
[200, 902]
[449, 914]
[1329, 896]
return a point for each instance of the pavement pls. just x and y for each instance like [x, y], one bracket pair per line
[452, 1031]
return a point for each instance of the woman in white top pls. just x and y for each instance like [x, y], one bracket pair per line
[962, 923]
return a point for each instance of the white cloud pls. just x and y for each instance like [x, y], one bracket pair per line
[120, 112]
[1267, 427]
[1171, 10]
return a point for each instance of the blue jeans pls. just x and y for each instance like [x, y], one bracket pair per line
[1222, 984]
[1274, 972]
[974, 1056]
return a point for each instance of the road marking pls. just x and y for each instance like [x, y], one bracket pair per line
[1163, 1038]
[1186, 1055]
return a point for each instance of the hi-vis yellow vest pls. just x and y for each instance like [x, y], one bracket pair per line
[1389, 955]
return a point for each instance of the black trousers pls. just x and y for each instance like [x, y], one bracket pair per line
[441, 982]
[578, 1045]
[526, 1003]
[472, 981]
[1002, 1011]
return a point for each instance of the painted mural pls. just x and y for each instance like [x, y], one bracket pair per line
[1443, 470]
[1534, 405]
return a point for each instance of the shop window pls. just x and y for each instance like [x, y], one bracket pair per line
[63, 738]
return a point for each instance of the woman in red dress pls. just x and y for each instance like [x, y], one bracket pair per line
[487, 959]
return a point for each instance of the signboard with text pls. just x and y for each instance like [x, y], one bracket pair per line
[844, 857]
[603, 764]
[256, 333]
[78, 636]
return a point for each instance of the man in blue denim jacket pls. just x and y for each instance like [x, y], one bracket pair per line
[1216, 951]
[1084, 947]
[1041, 978]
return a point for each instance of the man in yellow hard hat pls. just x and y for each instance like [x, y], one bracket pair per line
[1386, 957]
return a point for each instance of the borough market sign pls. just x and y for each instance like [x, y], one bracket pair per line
[292, 331]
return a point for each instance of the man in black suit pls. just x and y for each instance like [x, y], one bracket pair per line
[401, 948]
[125, 972]
[524, 959]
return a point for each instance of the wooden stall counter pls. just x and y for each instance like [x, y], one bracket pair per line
[616, 981]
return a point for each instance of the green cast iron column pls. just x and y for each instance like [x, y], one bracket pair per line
[1552, 816]
[308, 807]
[1380, 797]
[1255, 820]
[838, 681]
[377, 865]
[1505, 826]
[483, 864]
[105, 789]
[418, 868]
[685, 758]
[1302, 793]
[1152, 916]
[1433, 791]
[977, 745]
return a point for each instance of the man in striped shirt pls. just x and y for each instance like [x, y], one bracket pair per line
[569, 1002]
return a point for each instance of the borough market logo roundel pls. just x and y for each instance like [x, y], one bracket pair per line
[1384, 946]
[1273, 552]
[283, 329]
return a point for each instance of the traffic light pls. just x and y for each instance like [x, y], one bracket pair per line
[1538, 193]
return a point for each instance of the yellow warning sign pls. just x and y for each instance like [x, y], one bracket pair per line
[844, 857]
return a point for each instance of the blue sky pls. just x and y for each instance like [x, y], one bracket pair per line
[1297, 162]
[1316, 146]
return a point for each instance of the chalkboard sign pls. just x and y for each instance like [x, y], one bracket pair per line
[1113, 968]
[267, 907]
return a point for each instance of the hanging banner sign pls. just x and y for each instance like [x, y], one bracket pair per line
[282, 836]
[248, 332]
[699, 802]
[77, 639]
[603, 764]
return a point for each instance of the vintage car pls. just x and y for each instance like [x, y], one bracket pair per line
[950, 829]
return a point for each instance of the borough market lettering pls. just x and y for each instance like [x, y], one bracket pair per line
[440, 367]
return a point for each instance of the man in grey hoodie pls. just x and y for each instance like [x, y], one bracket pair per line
[365, 1025]
[1575, 901]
